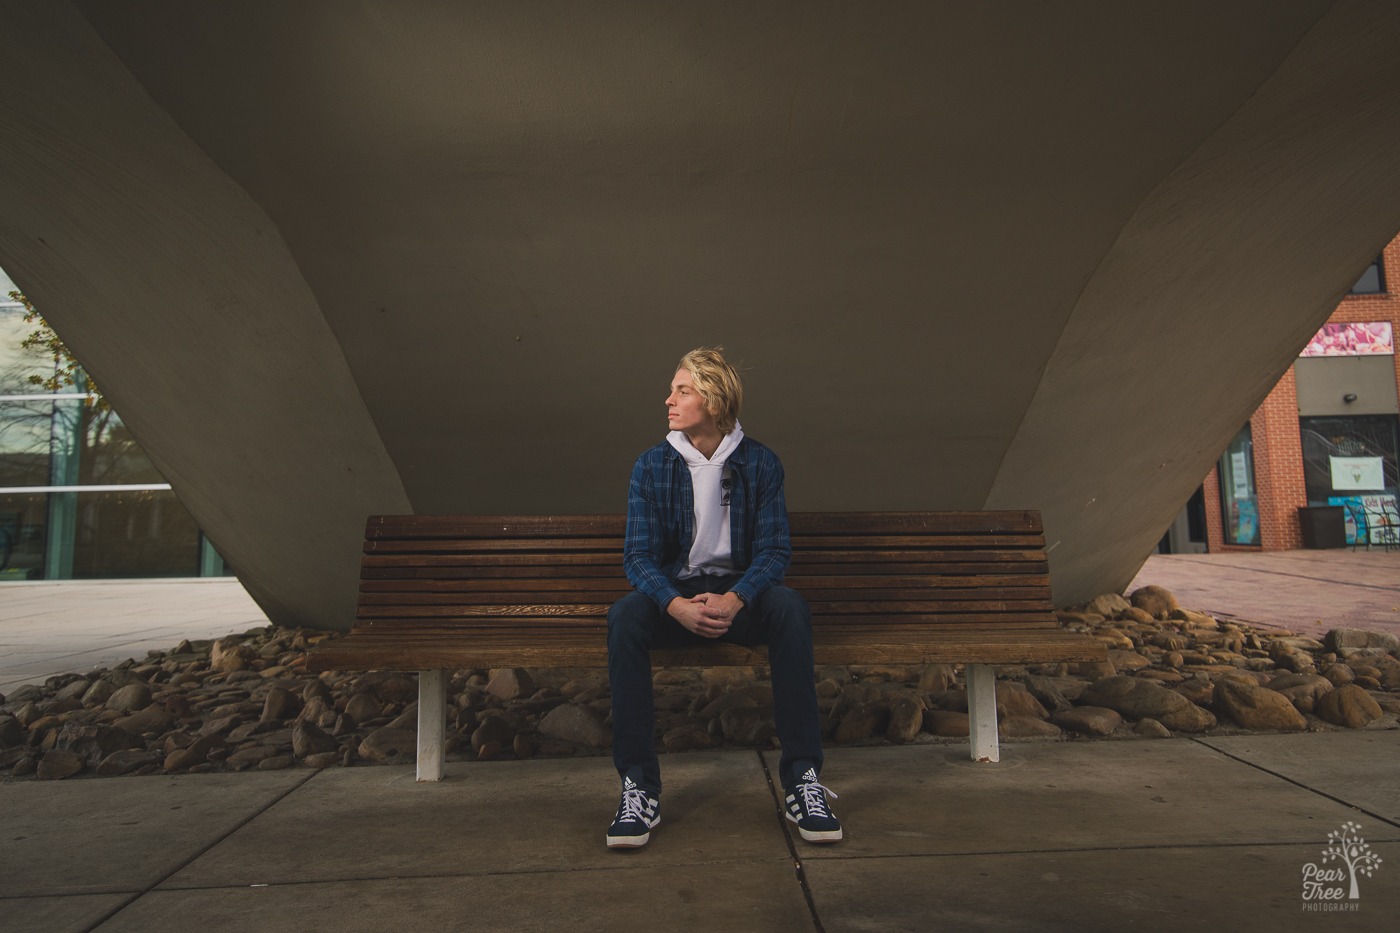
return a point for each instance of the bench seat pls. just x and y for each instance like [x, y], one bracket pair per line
[441, 593]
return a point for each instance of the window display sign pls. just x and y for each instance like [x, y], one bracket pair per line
[1357, 474]
[1369, 519]
[1375, 338]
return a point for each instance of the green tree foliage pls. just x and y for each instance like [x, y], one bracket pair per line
[67, 371]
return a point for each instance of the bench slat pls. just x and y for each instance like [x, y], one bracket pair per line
[877, 586]
[1014, 521]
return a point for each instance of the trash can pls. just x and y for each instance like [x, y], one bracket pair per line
[1323, 526]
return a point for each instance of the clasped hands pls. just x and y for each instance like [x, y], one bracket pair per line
[708, 614]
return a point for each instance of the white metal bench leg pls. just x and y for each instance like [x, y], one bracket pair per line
[982, 712]
[432, 723]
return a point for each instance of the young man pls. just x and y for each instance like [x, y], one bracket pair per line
[707, 546]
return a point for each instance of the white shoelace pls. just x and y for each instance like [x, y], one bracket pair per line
[634, 805]
[813, 800]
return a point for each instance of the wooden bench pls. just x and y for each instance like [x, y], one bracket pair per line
[444, 592]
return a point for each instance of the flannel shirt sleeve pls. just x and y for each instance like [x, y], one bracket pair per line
[643, 547]
[772, 544]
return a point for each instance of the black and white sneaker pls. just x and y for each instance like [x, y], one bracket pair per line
[808, 808]
[637, 815]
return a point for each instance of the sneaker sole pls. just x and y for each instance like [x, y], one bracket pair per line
[830, 835]
[631, 842]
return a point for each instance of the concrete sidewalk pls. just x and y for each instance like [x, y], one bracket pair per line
[1206, 833]
[1071, 836]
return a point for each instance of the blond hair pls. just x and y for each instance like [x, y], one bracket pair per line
[718, 384]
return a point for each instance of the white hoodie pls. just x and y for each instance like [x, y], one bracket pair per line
[710, 552]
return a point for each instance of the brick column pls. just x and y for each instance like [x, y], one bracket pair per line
[1278, 467]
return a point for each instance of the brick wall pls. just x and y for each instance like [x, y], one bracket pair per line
[1278, 447]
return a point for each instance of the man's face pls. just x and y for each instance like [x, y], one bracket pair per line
[685, 407]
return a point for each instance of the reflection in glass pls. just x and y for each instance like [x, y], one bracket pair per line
[137, 533]
[23, 520]
[24, 442]
[16, 363]
[1238, 500]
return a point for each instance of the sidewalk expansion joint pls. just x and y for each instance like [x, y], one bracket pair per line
[801, 873]
[638, 865]
[1094, 850]
[187, 862]
[1283, 777]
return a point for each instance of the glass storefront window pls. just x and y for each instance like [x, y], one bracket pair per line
[61, 455]
[1238, 499]
[1354, 462]
[129, 533]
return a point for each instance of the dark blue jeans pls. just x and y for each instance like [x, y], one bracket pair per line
[779, 618]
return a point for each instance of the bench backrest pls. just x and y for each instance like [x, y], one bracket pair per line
[935, 569]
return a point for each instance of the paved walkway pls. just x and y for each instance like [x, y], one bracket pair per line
[55, 628]
[1151, 835]
[1210, 833]
[1307, 591]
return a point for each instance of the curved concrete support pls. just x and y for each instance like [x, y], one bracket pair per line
[181, 299]
[1212, 289]
[442, 256]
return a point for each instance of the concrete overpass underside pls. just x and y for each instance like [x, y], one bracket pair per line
[331, 259]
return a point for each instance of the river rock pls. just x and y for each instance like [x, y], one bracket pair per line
[1256, 707]
[362, 707]
[1151, 729]
[1013, 699]
[75, 690]
[948, 723]
[1348, 705]
[510, 683]
[130, 698]
[1139, 699]
[906, 720]
[308, 740]
[1026, 727]
[93, 742]
[279, 704]
[389, 746]
[1124, 660]
[228, 655]
[152, 720]
[322, 760]
[1156, 601]
[1302, 690]
[11, 732]
[1339, 674]
[275, 763]
[58, 764]
[245, 758]
[1343, 640]
[492, 729]
[1088, 720]
[1048, 692]
[195, 753]
[578, 724]
[862, 723]
[98, 693]
[127, 760]
[1108, 605]
[688, 737]
[936, 678]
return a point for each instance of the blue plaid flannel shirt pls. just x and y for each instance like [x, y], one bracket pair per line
[661, 521]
